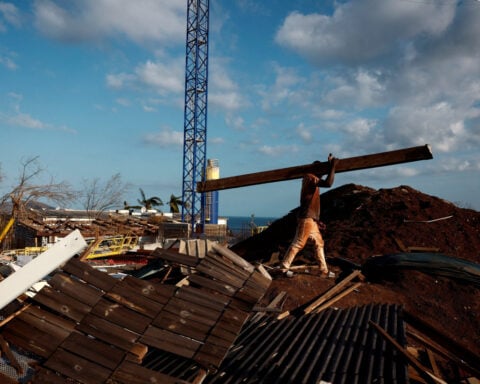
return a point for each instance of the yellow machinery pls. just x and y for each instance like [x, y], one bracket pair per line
[112, 246]
[7, 228]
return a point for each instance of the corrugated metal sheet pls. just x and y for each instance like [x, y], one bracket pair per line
[336, 346]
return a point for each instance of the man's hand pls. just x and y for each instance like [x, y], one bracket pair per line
[332, 160]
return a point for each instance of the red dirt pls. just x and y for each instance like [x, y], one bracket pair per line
[363, 222]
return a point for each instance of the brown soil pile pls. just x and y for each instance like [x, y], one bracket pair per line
[363, 222]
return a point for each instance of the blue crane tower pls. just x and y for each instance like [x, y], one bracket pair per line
[195, 113]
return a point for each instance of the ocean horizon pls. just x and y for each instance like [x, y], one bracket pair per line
[239, 224]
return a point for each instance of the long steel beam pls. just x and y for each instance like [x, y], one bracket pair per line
[382, 159]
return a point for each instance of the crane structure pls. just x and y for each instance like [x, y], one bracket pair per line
[195, 112]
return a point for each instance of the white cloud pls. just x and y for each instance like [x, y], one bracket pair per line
[9, 14]
[123, 102]
[8, 63]
[361, 88]
[141, 21]
[438, 125]
[279, 150]
[304, 133]
[362, 29]
[165, 138]
[164, 77]
[119, 80]
[223, 92]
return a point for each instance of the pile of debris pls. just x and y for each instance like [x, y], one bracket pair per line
[402, 222]
[401, 305]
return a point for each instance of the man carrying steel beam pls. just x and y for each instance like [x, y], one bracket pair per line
[308, 221]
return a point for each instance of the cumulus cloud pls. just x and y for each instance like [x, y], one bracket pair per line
[223, 92]
[304, 133]
[8, 63]
[166, 138]
[141, 21]
[438, 124]
[164, 77]
[279, 150]
[9, 15]
[394, 73]
[358, 31]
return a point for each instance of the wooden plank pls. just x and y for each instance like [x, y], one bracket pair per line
[211, 362]
[187, 309]
[18, 282]
[337, 297]
[109, 333]
[46, 376]
[226, 264]
[233, 257]
[29, 338]
[131, 373]
[77, 368]
[160, 293]
[170, 342]
[216, 302]
[225, 334]
[56, 331]
[219, 275]
[321, 168]
[58, 321]
[218, 286]
[62, 304]
[469, 358]
[186, 326]
[422, 371]
[233, 320]
[332, 291]
[82, 292]
[122, 294]
[94, 350]
[447, 354]
[122, 316]
[90, 275]
[175, 257]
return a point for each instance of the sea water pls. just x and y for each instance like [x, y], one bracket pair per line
[240, 224]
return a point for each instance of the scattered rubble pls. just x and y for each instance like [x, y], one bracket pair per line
[404, 281]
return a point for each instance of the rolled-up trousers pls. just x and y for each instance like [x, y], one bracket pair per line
[307, 229]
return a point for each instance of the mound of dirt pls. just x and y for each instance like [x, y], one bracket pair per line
[363, 222]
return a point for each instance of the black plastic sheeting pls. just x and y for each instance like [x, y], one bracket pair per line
[336, 346]
[379, 267]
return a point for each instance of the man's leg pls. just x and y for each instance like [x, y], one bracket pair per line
[298, 243]
[319, 251]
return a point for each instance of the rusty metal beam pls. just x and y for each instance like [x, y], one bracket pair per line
[399, 156]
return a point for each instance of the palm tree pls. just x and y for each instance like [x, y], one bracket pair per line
[150, 202]
[175, 203]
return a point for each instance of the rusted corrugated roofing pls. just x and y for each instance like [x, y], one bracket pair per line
[336, 346]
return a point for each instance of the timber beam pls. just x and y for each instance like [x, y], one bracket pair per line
[399, 156]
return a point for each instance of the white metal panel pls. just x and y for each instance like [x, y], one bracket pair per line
[19, 282]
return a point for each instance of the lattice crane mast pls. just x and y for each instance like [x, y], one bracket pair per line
[195, 113]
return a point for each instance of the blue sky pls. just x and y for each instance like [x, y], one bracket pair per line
[96, 87]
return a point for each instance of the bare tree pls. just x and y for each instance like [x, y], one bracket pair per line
[98, 196]
[28, 189]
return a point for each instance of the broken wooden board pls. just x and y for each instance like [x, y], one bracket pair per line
[319, 168]
[18, 282]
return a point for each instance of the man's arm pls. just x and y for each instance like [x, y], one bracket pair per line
[328, 182]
